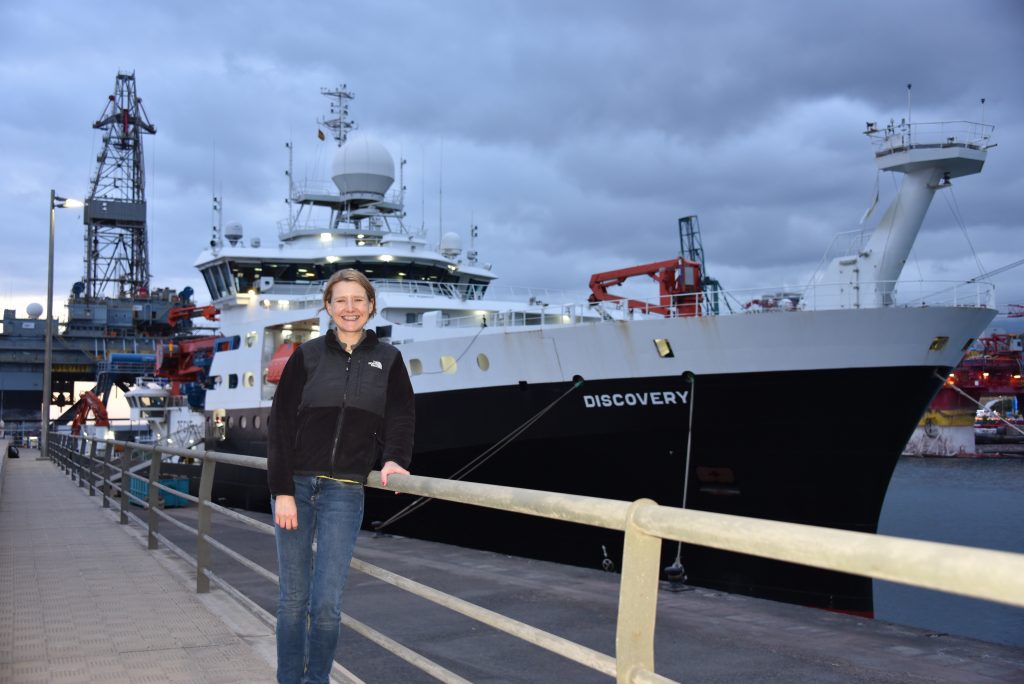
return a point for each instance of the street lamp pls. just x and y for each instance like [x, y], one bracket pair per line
[55, 203]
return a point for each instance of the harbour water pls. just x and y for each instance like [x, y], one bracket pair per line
[974, 502]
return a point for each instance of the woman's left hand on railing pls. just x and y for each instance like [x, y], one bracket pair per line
[391, 468]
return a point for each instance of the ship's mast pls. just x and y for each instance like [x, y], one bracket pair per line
[338, 122]
[116, 250]
[929, 155]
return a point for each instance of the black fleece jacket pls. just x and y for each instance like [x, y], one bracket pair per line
[344, 417]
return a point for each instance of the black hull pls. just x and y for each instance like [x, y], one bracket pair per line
[806, 447]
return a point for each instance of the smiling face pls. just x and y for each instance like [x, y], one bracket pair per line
[349, 307]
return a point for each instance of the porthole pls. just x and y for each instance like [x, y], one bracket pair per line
[256, 422]
[249, 379]
[448, 364]
[232, 380]
[415, 366]
[250, 338]
[227, 422]
[664, 348]
[483, 362]
[242, 422]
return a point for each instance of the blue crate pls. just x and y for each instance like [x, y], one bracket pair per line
[141, 490]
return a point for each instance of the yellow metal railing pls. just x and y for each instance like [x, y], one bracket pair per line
[979, 573]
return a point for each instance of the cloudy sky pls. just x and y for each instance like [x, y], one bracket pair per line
[573, 133]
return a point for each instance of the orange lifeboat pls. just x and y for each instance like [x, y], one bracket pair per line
[278, 361]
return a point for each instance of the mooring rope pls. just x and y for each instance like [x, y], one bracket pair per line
[480, 459]
[676, 570]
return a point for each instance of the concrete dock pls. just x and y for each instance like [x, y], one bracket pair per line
[83, 600]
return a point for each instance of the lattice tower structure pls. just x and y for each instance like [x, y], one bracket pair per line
[116, 247]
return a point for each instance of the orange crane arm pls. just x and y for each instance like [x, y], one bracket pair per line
[679, 286]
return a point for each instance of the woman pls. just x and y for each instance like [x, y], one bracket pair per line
[343, 406]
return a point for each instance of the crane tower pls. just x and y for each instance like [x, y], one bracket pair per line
[116, 250]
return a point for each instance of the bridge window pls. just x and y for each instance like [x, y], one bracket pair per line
[232, 380]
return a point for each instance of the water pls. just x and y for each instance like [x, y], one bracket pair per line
[959, 501]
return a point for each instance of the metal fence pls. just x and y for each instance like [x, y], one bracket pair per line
[104, 467]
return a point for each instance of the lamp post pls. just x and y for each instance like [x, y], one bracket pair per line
[44, 425]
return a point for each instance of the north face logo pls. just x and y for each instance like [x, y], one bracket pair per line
[377, 365]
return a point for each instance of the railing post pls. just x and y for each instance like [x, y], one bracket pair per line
[108, 448]
[65, 445]
[92, 459]
[638, 599]
[154, 498]
[126, 458]
[203, 525]
[80, 449]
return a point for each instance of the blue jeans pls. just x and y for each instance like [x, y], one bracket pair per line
[309, 600]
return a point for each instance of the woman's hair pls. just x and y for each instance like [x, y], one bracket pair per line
[351, 275]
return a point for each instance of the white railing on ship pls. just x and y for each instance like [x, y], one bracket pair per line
[898, 136]
[973, 572]
[426, 288]
[559, 307]
[817, 297]
[551, 307]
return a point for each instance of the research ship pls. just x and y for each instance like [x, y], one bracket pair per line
[759, 404]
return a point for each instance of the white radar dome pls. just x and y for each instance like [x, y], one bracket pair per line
[233, 233]
[363, 169]
[451, 245]
[34, 310]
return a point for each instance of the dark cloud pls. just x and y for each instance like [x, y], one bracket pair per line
[575, 134]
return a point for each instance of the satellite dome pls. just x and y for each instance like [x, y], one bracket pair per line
[233, 233]
[363, 169]
[451, 245]
[34, 310]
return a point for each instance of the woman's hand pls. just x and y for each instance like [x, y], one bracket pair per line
[286, 515]
[391, 468]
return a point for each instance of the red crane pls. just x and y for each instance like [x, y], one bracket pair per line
[89, 402]
[679, 287]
